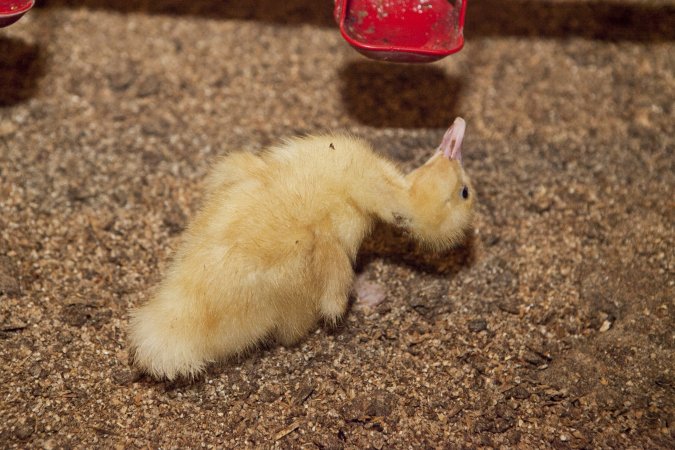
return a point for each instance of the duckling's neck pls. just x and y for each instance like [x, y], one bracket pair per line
[385, 194]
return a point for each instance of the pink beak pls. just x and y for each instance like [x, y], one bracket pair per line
[451, 146]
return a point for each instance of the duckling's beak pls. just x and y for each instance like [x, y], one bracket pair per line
[451, 146]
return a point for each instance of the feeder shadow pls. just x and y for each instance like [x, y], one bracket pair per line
[394, 246]
[399, 96]
[21, 67]
[289, 12]
[610, 21]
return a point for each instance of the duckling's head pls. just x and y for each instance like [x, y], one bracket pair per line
[441, 195]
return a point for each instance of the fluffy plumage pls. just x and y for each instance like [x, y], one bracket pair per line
[272, 248]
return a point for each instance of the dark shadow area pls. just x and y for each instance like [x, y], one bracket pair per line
[399, 96]
[290, 12]
[611, 21]
[394, 246]
[21, 67]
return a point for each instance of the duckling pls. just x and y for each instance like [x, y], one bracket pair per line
[271, 251]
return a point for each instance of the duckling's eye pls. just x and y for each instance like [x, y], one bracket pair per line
[464, 192]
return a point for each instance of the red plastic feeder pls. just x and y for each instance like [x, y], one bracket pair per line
[12, 10]
[402, 30]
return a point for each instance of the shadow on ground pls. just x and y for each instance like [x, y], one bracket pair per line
[403, 96]
[597, 20]
[292, 12]
[21, 67]
[591, 20]
[394, 246]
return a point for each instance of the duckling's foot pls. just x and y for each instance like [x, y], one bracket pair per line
[368, 293]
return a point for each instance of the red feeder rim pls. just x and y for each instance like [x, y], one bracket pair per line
[12, 10]
[402, 30]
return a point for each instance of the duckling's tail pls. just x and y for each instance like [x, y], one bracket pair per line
[164, 342]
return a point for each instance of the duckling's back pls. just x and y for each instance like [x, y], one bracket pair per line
[316, 185]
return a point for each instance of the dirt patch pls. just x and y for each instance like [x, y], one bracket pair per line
[551, 326]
